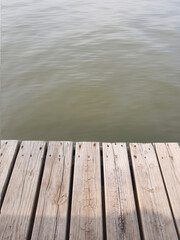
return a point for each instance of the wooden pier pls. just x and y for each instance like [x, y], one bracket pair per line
[88, 190]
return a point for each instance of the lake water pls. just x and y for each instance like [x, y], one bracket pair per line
[106, 70]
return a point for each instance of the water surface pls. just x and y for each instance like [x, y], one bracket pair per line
[106, 70]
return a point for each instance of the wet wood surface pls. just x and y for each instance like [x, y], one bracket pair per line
[65, 190]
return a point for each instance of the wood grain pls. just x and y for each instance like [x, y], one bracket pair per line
[169, 160]
[157, 220]
[18, 203]
[51, 214]
[121, 216]
[8, 152]
[86, 213]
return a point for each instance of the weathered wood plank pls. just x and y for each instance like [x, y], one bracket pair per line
[86, 213]
[169, 160]
[8, 152]
[51, 213]
[155, 211]
[121, 216]
[18, 202]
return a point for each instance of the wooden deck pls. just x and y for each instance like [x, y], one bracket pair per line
[87, 190]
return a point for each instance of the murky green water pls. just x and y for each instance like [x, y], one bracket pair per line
[106, 70]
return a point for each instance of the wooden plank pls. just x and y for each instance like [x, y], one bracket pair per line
[51, 214]
[121, 217]
[169, 160]
[8, 152]
[86, 213]
[157, 220]
[17, 207]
